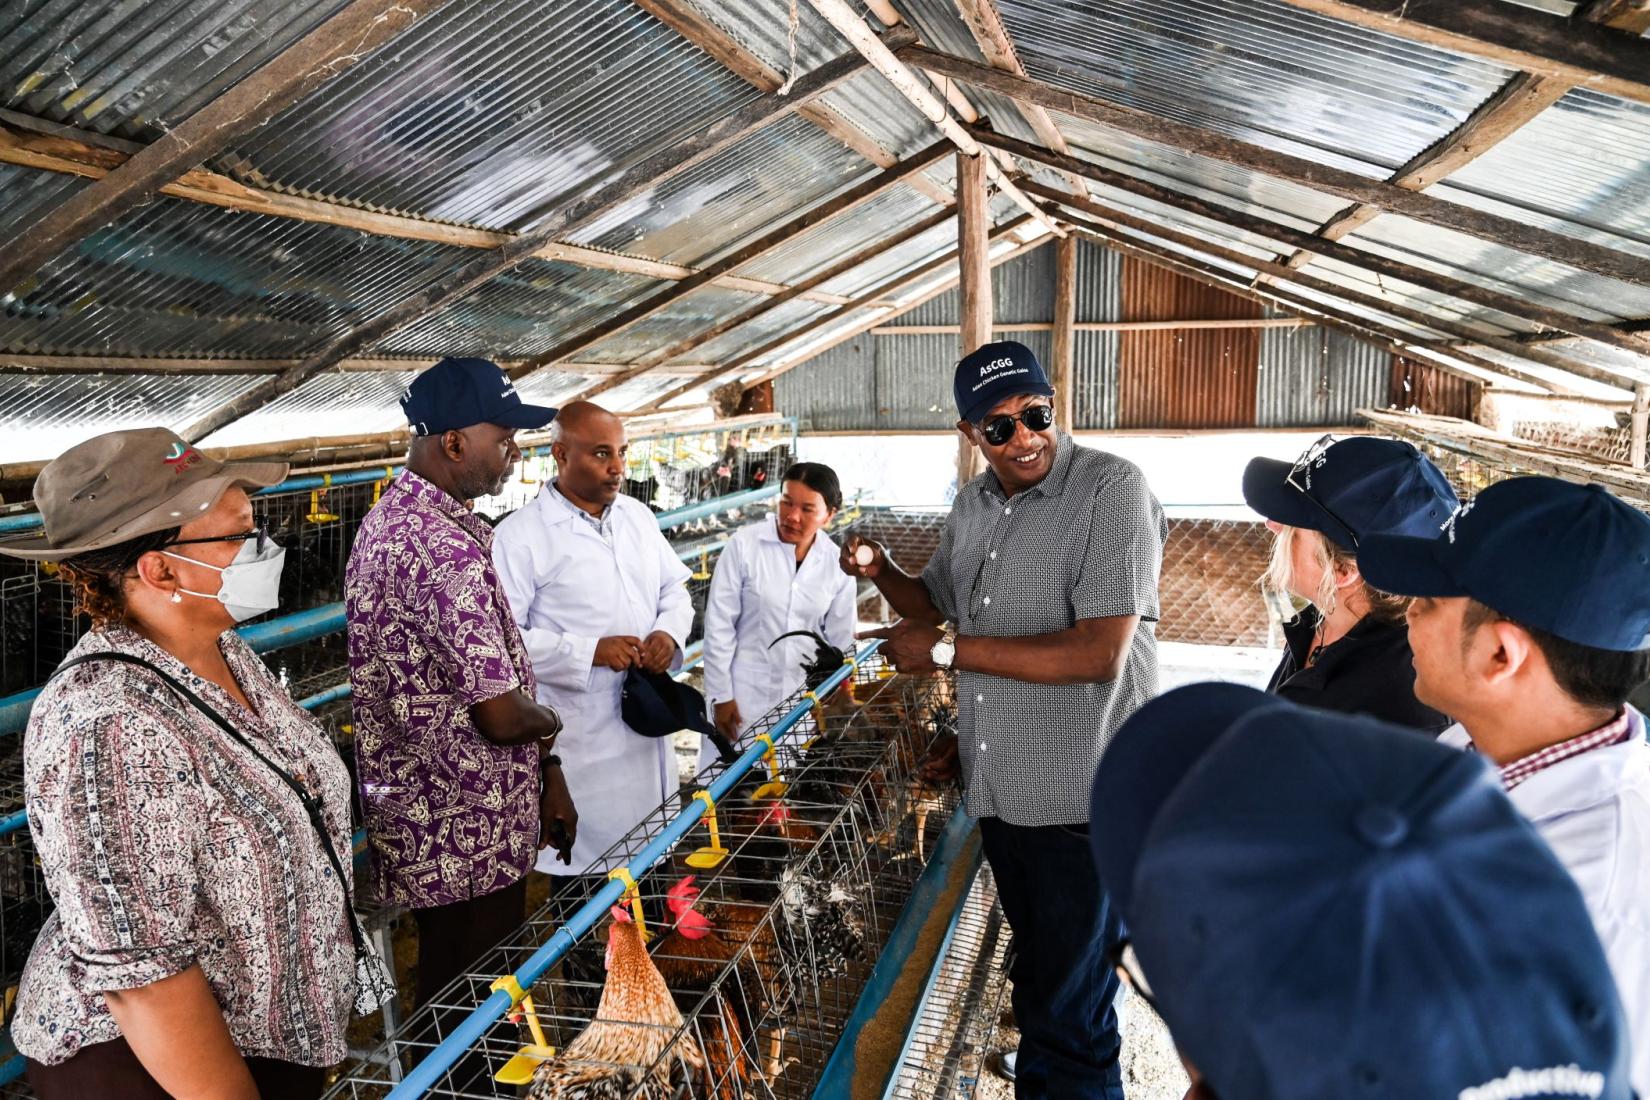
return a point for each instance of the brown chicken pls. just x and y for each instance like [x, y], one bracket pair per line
[635, 1047]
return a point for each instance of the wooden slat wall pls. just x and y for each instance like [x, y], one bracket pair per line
[1188, 379]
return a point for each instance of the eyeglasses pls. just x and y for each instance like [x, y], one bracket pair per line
[1123, 961]
[261, 534]
[1300, 479]
[1000, 429]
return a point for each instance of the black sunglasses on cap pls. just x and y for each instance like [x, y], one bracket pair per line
[1000, 429]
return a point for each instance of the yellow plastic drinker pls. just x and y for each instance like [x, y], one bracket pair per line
[704, 859]
[775, 787]
[315, 514]
[704, 568]
[520, 1068]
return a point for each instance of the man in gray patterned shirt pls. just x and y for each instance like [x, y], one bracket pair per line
[1046, 581]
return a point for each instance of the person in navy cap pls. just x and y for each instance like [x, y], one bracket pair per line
[459, 781]
[1531, 625]
[1046, 575]
[1348, 650]
[1324, 909]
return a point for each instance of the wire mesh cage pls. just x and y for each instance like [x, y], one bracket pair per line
[1209, 590]
[754, 963]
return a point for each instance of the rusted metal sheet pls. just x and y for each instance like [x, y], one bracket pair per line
[1417, 387]
[1188, 379]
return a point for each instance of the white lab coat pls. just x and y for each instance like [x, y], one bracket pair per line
[758, 593]
[568, 589]
[1593, 810]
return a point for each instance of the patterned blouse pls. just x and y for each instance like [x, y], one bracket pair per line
[450, 815]
[165, 844]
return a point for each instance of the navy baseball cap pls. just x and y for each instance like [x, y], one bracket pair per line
[1568, 559]
[458, 393]
[992, 372]
[1326, 905]
[1350, 488]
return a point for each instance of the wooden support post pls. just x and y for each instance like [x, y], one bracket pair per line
[1636, 456]
[973, 252]
[1063, 355]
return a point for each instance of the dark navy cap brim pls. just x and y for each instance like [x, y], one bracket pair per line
[1144, 764]
[524, 417]
[1407, 566]
[1266, 489]
[977, 411]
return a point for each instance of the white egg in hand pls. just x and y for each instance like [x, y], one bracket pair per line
[864, 555]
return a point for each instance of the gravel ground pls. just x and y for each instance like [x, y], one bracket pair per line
[1151, 1069]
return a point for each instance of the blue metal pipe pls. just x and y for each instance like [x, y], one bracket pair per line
[330, 695]
[294, 629]
[678, 516]
[426, 1073]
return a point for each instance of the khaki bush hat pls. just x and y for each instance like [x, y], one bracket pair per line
[117, 486]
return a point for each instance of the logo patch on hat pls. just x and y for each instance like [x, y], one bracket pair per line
[998, 368]
[1449, 524]
[181, 457]
[1552, 1081]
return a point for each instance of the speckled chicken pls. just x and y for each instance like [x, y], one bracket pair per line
[635, 1047]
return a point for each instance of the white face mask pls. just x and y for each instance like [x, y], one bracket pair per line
[251, 583]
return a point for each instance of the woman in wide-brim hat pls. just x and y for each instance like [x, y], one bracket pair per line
[190, 818]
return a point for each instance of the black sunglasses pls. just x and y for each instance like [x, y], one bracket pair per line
[259, 533]
[1000, 429]
[1300, 479]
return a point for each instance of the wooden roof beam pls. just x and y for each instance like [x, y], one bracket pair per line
[59, 153]
[1374, 263]
[596, 201]
[867, 300]
[686, 20]
[1585, 255]
[1602, 59]
[985, 23]
[105, 364]
[773, 239]
[658, 359]
[1518, 102]
[347, 37]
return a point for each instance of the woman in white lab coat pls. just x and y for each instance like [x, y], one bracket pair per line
[775, 576]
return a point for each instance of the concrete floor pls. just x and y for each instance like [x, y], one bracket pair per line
[1151, 1069]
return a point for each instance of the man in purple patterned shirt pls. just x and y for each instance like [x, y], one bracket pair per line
[457, 778]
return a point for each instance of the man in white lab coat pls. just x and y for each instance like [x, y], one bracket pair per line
[596, 591]
[1531, 627]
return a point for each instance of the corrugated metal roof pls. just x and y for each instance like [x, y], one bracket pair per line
[177, 278]
[907, 257]
[45, 415]
[684, 317]
[842, 236]
[487, 113]
[748, 337]
[1227, 184]
[1318, 376]
[29, 193]
[356, 403]
[1261, 71]
[1492, 265]
[1581, 167]
[780, 171]
[1021, 290]
[523, 313]
[139, 68]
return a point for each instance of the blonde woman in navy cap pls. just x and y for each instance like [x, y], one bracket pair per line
[1348, 650]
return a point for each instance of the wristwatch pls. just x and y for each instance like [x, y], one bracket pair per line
[945, 650]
